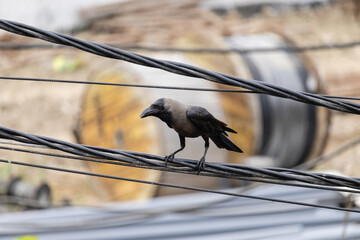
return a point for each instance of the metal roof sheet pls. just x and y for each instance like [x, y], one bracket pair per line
[192, 216]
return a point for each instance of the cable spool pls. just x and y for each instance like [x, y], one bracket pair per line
[110, 116]
[285, 131]
[288, 128]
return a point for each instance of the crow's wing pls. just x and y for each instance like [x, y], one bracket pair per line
[205, 121]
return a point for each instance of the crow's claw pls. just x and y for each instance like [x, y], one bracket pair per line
[169, 158]
[201, 165]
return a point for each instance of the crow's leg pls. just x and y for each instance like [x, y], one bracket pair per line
[201, 164]
[170, 157]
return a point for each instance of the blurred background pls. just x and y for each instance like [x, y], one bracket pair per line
[271, 131]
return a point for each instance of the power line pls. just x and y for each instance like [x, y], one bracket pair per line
[126, 85]
[181, 186]
[177, 170]
[144, 160]
[180, 68]
[26, 46]
[151, 86]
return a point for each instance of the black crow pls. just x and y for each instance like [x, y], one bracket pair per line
[191, 121]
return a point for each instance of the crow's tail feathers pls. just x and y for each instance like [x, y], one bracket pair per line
[222, 141]
[229, 129]
[223, 126]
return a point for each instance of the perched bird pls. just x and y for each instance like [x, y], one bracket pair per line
[191, 121]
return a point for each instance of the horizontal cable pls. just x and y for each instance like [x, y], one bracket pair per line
[126, 85]
[175, 169]
[181, 187]
[150, 86]
[24, 46]
[180, 68]
[144, 160]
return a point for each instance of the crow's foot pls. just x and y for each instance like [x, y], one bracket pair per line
[169, 158]
[201, 165]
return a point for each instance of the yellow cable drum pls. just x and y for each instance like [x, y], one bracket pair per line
[110, 118]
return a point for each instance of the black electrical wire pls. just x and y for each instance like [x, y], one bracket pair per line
[137, 159]
[222, 169]
[23, 144]
[25, 46]
[180, 68]
[150, 86]
[180, 186]
[126, 85]
[177, 170]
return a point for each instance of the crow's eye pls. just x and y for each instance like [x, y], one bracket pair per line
[157, 106]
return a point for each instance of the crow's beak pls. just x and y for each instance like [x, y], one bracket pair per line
[148, 112]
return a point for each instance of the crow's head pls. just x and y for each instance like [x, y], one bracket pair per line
[157, 109]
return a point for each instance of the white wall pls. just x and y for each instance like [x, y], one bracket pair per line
[51, 15]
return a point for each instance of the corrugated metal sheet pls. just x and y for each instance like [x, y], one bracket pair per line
[192, 216]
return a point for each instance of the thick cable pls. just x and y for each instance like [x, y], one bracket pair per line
[177, 170]
[179, 68]
[180, 186]
[220, 169]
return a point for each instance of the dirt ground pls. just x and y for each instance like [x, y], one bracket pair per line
[51, 109]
